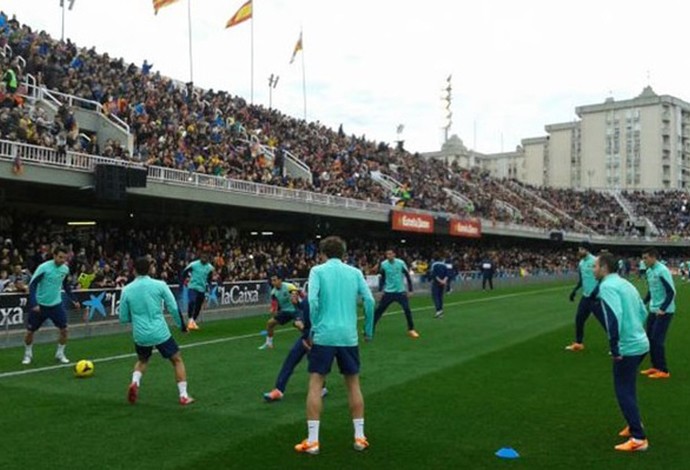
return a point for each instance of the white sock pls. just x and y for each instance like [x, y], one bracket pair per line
[136, 377]
[269, 340]
[28, 349]
[182, 387]
[359, 428]
[313, 427]
[60, 350]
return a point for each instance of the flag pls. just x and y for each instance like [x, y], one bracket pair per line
[158, 4]
[243, 14]
[298, 47]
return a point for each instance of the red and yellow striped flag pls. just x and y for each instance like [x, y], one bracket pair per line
[158, 4]
[298, 47]
[243, 14]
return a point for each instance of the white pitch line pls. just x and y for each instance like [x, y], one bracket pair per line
[253, 335]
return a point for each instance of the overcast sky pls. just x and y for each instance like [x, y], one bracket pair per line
[371, 65]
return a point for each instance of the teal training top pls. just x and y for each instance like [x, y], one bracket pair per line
[586, 268]
[394, 274]
[49, 279]
[199, 275]
[334, 288]
[625, 316]
[662, 291]
[142, 303]
[282, 296]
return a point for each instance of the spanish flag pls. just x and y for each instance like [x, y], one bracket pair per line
[243, 14]
[298, 47]
[158, 4]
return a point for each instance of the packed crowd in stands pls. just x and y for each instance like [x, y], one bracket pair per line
[103, 255]
[598, 210]
[668, 210]
[177, 125]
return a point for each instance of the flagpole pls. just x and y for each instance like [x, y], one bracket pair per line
[252, 53]
[304, 79]
[62, 4]
[189, 25]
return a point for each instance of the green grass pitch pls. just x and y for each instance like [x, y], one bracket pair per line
[493, 373]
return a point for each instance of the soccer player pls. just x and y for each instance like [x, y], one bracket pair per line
[625, 315]
[588, 304]
[140, 304]
[200, 272]
[334, 288]
[298, 351]
[488, 271]
[391, 272]
[282, 309]
[662, 306]
[439, 283]
[45, 302]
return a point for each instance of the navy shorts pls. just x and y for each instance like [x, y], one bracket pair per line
[56, 314]
[321, 359]
[282, 318]
[193, 295]
[168, 349]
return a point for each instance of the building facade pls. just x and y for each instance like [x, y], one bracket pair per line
[640, 143]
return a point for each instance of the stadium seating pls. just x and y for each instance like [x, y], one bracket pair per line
[103, 255]
[177, 125]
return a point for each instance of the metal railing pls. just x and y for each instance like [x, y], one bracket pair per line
[84, 162]
[386, 181]
[292, 165]
[514, 211]
[87, 105]
[458, 197]
[49, 157]
[528, 192]
[49, 100]
[31, 89]
[546, 214]
[218, 183]
[298, 166]
[9, 53]
[624, 203]
[75, 161]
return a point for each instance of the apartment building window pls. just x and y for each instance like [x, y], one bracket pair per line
[616, 140]
[613, 149]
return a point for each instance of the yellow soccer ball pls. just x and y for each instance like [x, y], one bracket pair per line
[83, 368]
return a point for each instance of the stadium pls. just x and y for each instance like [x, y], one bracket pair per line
[107, 163]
